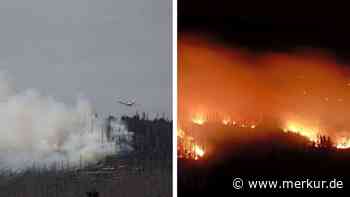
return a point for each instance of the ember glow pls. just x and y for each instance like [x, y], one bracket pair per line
[187, 146]
[304, 91]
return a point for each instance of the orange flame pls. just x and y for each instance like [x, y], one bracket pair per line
[199, 119]
[308, 132]
[198, 150]
[313, 133]
[187, 147]
[343, 143]
[226, 121]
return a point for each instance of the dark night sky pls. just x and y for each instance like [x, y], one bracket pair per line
[266, 32]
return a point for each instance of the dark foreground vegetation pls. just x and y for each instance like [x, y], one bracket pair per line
[262, 154]
[146, 171]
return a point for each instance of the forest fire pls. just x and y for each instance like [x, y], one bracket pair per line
[187, 146]
[305, 92]
[273, 110]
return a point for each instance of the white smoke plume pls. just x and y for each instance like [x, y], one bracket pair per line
[41, 131]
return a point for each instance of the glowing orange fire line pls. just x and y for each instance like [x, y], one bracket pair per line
[189, 148]
[313, 134]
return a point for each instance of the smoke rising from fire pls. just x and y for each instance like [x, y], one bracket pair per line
[307, 87]
[41, 131]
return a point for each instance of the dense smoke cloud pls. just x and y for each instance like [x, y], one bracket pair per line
[304, 86]
[41, 131]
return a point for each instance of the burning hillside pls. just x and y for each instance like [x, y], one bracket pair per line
[304, 91]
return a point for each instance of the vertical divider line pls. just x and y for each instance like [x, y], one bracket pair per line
[174, 100]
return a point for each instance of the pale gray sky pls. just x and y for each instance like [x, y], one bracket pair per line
[99, 48]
